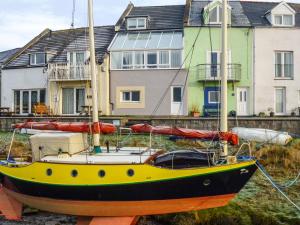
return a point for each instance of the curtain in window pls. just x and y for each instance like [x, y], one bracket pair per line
[164, 59]
[288, 64]
[139, 59]
[278, 20]
[278, 66]
[176, 58]
[80, 99]
[68, 101]
[288, 20]
[127, 60]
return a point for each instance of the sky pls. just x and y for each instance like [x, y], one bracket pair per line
[22, 20]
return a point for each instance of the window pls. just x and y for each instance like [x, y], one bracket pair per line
[152, 59]
[280, 100]
[284, 64]
[177, 94]
[283, 20]
[24, 100]
[139, 60]
[214, 15]
[214, 64]
[164, 59]
[130, 96]
[214, 97]
[72, 100]
[136, 23]
[127, 60]
[37, 58]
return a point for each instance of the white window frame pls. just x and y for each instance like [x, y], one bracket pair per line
[33, 57]
[74, 98]
[282, 23]
[29, 99]
[213, 102]
[130, 96]
[283, 76]
[137, 27]
[284, 100]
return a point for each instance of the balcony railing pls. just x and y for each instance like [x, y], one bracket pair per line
[212, 72]
[61, 72]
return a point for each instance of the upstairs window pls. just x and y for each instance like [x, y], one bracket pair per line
[37, 58]
[283, 20]
[284, 64]
[214, 15]
[130, 96]
[136, 23]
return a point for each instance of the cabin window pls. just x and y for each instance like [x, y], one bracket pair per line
[37, 58]
[130, 172]
[74, 173]
[136, 23]
[101, 173]
[49, 172]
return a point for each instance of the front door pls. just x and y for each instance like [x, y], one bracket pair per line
[176, 100]
[242, 101]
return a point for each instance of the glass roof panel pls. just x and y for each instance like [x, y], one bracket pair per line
[148, 40]
[153, 40]
[177, 40]
[165, 40]
[142, 40]
[130, 41]
[118, 43]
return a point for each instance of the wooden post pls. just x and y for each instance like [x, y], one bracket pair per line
[9, 207]
[107, 220]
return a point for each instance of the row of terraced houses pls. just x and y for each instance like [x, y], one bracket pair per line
[164, 60]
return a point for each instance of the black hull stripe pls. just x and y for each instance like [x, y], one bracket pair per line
[226, 182]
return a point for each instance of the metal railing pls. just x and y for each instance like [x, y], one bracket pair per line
[211, 72]
[58, 72]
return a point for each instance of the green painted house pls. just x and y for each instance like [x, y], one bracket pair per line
[202, 43]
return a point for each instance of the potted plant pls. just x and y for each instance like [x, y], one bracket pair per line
[271, 112]
[195, 112]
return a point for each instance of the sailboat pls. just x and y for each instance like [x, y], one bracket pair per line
[123, 182]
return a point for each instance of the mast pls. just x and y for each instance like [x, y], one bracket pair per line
[224, 74]
[96, 128]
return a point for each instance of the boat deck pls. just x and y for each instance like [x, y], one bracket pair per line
[125, 155]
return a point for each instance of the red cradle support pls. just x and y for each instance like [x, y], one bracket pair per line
[107, 220]
[9, 207]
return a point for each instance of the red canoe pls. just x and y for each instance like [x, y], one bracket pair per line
[82, 127]
[187, 133]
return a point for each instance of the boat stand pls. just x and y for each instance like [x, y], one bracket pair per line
[9, 207]
[107, 220]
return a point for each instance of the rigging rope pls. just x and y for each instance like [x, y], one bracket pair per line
[279, 189]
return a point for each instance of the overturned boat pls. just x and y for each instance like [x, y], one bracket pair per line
[231, 137]
[263, 135]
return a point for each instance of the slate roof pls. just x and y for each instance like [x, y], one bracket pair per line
[255, 11]
[59, 42]
[238, 17]
[7, 54]
[160, 17]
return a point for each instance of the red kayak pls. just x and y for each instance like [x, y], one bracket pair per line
[80, 127]
[187, 133]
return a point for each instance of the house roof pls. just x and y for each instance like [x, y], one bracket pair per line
[57, 43]
[256, 11]
[160, 17]
[5, 55]
[238, 17]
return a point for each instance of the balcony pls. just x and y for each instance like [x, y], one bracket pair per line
[67, 72]
[212, 72]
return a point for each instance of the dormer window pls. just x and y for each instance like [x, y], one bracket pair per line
[37, 59]
[282, 15]
[283, 20]
[136, 23]
[213, 13]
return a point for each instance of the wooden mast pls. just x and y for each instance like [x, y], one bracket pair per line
[224, 74]
[93, 69]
